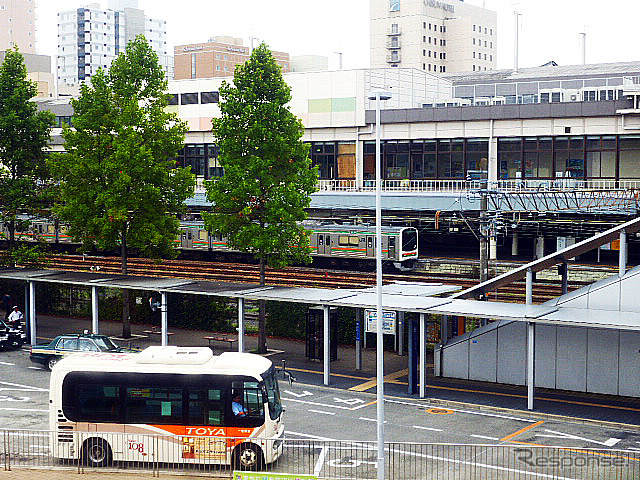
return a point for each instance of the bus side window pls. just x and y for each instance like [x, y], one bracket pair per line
[206, 407]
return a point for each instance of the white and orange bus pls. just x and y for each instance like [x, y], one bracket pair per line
[166, 404]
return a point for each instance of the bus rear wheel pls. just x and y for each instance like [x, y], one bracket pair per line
[247, 456]
[96, 452]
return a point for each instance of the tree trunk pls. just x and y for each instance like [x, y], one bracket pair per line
[262, 326]
[126, 299]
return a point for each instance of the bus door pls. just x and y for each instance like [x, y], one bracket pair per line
[371, 246]
[392, 247]
[186, 238]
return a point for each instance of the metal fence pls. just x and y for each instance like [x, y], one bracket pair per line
[160, 455]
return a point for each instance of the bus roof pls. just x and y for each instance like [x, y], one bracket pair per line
[167, 359]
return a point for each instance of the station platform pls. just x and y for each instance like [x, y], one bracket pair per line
[581, 406]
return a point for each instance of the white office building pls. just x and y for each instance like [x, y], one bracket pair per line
[90, 38]
[434, 36]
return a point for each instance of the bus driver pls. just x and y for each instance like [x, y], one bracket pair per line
[237, 407]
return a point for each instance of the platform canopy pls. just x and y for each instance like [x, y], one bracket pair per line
[401, 296]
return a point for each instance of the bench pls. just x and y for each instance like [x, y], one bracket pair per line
[158, 332]
[219, 338]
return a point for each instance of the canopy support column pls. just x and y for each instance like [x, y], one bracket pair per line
[622, 257]
[241, 325]
[32, 312]
[423, 356]
[358, 339]
[94, 310]
[164, 319]
[531, 340]
[326, 353]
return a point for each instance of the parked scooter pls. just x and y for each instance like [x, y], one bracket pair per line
[12, 337]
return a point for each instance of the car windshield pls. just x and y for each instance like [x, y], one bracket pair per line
[104, 343]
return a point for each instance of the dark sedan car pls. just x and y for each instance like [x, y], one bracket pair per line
[49, 354]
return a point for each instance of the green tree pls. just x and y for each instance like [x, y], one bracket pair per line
[24, 134]
[261, 199]
[119, 185]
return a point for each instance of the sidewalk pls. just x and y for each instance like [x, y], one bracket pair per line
[587, 407]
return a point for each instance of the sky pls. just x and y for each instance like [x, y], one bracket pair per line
[550, 29]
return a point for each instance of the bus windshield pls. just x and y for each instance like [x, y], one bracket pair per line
[273, 393]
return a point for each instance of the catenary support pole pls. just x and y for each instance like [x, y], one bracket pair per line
[514, 244]
[241, 325]
[163, 320]
[325, 337]
[423, 355]
[529, 287]
[32, 312]
[94, 310]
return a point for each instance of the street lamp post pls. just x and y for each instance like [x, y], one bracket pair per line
[378, 96]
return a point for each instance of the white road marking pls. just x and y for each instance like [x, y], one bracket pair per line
[36, 368]
[483, 437]
[428, 428]
[349, 401]
[22, 410]
[322, 412]
[320, 462]
[484, 414]
[298, 395]
[609, 443]
[370, 419]
[314, 437]
[30, 388]
[370, 447]
[318, 404]
[7, 363]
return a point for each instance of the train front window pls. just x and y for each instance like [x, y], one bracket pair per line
[409, 240]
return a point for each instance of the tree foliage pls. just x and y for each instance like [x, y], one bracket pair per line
[24, 135]
[268, 178]
[260, 201]
[119, 185]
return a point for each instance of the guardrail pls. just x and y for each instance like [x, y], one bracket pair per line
[418, 186]
[157, 455]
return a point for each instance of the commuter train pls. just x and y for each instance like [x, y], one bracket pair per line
[348, 243]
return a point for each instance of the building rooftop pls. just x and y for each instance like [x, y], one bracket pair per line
[546, 72]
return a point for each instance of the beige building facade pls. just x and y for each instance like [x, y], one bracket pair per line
[434, 36]
[217, 57]
[18, 25]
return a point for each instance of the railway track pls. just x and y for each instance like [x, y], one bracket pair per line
[291, 276]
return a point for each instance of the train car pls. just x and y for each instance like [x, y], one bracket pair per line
[399, 244]
[352, 243]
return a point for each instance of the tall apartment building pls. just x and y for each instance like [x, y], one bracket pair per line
[435, 36]
[18, 25]
[90, 38]
[217, 57]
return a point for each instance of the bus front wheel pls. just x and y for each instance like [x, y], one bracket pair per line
[248, 456]
[96, 452]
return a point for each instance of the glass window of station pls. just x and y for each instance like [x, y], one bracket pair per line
[580, 157]
[202, 158]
